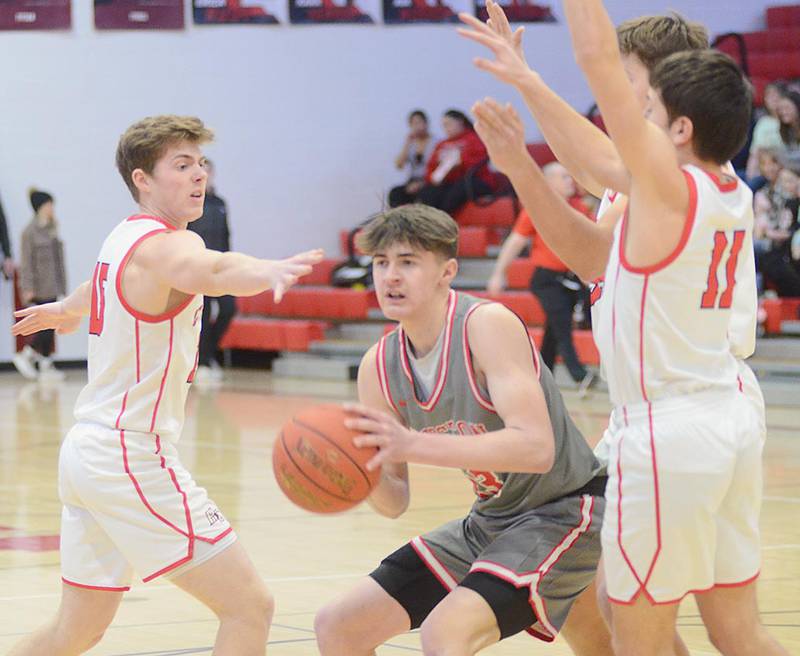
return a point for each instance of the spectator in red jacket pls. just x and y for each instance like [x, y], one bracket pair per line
[458, 167]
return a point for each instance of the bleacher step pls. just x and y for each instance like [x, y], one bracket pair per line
[477, 268]
[341, 348]
[359, 331]
[325, 367]
[778, 348]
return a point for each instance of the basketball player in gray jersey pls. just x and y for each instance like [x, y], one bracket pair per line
[459, 384]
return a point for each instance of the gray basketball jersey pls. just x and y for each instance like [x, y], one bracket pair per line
[459, 406]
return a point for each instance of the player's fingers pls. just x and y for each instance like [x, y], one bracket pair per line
[309, 257]
[369, 440]
[363, 425]
[490, 39]
[361, 410]
[472, 21]
[376, 461]
[489, 67]
[24, 312]
[277, 293]
[498, 17]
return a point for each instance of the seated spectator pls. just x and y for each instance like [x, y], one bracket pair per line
[42, 280]
[458, 167]
[767, 133]
[776, 220]
[788, 110]
[557, 289]
[414, 156]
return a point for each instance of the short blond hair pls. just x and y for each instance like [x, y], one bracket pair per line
[419, 226]
[144, 142]
[654, 38]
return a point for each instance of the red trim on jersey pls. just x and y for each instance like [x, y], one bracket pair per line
[158, 219]
[732, 183]
[739, 380]
[641, 338]
[148, 318]
[688, 223]
[619, 517]
[216, 539]
[103, 588]
[383, 378]
[444, 359]
[138, 344]
[669, 602]
[612, 195]
[164, 377]
[484, 401]
[537, 603]
[657, 496]
[172, 566]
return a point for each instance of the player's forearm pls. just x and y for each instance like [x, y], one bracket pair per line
[390, 497]
[236, 274]
[594, 39]
[585, 150]
[581, 244]
[506, 450]
[79, 302]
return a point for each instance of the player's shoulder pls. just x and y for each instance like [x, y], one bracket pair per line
[166, 245]
[490, 323]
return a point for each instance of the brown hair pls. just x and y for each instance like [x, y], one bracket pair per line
[420, 226]
[708, 88]
[144, 142]
[653, 38]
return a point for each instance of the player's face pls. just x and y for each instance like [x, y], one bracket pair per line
[638, 75]
[407, 280]
[177, 186]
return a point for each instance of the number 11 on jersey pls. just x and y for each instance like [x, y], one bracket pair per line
[711, 297]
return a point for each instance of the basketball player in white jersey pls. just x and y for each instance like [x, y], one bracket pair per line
[128, 503]
[684, 445]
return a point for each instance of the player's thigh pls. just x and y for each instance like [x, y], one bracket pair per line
[87, 612]
[587, 627]
[466, 617]
[729, 613]
[228, 583]
[366, 615]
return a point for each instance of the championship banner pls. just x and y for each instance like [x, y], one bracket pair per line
[519, 11]
[35, 14]
[314, 12]
[138, 14]
[400, 12]
[221, 12]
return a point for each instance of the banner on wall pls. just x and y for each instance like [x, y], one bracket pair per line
[221, 12]
[313, 12]
[519, 11]
[138, 14]
[35, 14]
[399, 12]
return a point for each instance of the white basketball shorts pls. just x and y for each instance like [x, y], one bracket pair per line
[130, 505]
[683, 497]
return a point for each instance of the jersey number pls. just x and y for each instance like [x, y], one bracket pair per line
[711, 297]
[98, 298]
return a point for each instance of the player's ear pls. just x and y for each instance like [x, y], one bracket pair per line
[140, 180]
[450, 270]
[682, 130]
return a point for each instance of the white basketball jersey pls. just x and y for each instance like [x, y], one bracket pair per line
[666, 330]
[140, 366]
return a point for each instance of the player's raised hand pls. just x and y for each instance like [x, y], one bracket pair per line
[498, 23]
[381, 430]
[48, 316]
[282, 274]
[509, 63]
[501, 130]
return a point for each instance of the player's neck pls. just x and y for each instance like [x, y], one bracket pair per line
[688, 157]
[151, 209]
[423, 331]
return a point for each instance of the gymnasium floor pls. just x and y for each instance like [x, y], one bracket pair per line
[305, 559]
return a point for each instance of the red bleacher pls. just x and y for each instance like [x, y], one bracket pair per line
[783, 16]
[263, 334]
[779, 310]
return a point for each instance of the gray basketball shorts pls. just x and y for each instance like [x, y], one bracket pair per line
[551, 551]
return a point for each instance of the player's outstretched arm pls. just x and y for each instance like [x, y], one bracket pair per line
[581, 244]
[62, 316]
[183, 262]
[524, 445]
[390, 497]
[657, 183]
[584, 149]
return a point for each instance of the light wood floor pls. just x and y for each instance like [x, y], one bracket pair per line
[305, 559]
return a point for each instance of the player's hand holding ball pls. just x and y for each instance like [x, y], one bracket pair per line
[380, 430]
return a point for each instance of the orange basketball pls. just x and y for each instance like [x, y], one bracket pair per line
[316, 463]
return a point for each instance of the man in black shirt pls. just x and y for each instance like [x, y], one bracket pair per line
[213, 228]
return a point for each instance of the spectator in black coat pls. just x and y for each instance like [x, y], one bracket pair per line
[213, 228]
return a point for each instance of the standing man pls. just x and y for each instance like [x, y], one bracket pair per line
[213, 228]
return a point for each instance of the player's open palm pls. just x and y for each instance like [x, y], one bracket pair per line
[501, 130]
[48, 316]
[282, 274]
[509, 63]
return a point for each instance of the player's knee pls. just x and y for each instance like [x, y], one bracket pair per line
[330, 629]
[439, 639]
[734, 635]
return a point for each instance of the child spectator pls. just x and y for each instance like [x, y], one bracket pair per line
[42, 280]
[414, 156]
[767, 131]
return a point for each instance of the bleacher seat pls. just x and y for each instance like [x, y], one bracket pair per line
[783, 16]
[519, 272]
[312, 303]
[499, 212]
[266, 334]
[779, 310]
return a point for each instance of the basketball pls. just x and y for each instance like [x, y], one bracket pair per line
[316, 464]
